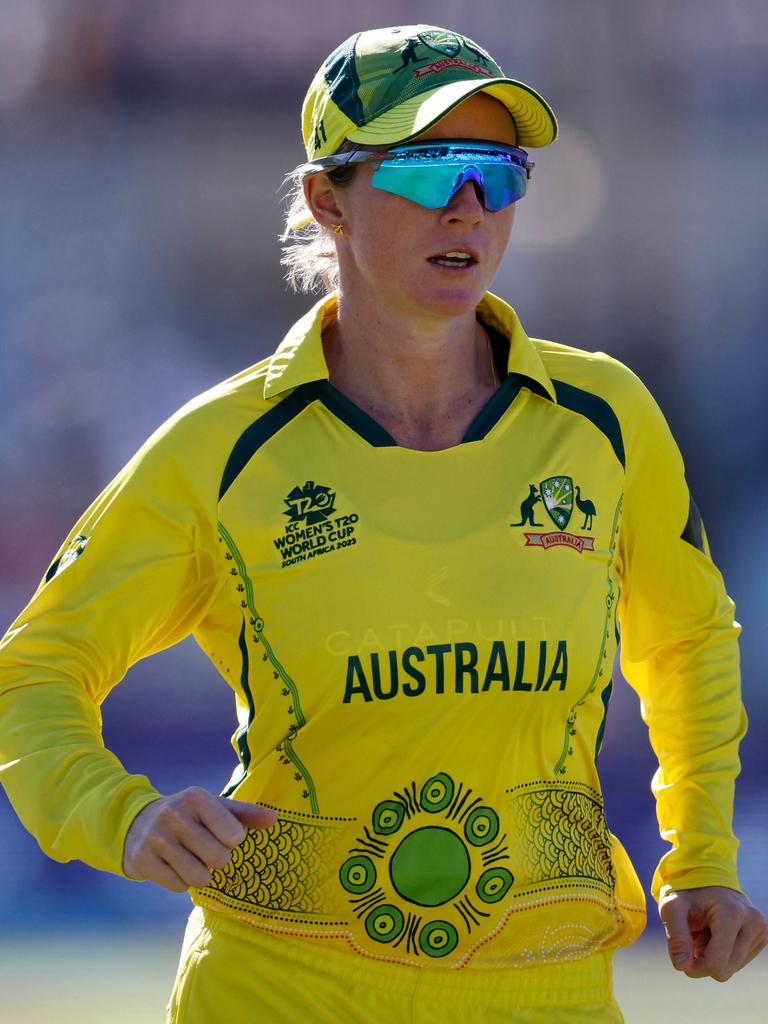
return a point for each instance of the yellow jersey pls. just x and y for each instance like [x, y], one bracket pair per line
[420, 648]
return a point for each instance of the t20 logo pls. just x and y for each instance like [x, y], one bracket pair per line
[312, 503]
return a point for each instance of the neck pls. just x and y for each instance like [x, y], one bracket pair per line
[423, 381]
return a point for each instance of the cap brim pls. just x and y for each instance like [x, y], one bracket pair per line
[534, 118]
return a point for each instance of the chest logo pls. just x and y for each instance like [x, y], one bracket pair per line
[558, 496]
[315, 526]
[311, 503]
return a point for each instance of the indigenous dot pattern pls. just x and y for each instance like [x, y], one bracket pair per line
[427, 869]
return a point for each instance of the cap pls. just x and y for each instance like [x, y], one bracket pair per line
[389, 84]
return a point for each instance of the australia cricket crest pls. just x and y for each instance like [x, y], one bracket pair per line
[442, 42]
[557, 495]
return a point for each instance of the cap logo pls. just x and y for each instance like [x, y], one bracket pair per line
[443, 42]
[449, 45]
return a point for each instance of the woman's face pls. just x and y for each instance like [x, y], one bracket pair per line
[387, 254]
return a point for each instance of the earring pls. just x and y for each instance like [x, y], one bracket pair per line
[338, 228]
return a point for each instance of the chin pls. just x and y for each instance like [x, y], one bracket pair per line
[423, 295]
[452, 301]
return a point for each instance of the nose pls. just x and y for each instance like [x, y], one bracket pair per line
[466, 205]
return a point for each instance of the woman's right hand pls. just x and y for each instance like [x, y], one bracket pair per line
[176, 841]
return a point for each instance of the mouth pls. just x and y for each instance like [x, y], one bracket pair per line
[456, 259]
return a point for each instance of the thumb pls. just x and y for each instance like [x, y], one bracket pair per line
[674, 915]
[250, 815]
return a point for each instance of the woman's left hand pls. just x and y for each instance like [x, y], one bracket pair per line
[712, 932]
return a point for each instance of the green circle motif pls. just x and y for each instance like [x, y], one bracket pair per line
[384, 923]
[387, 817]
[436, 793]
[482, 826]
[357, 874]
[494, 884]
[438, 938]
[430, 866]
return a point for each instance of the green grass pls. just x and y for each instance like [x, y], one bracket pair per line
[127, 981]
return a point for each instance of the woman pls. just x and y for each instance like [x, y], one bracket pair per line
[407, 540]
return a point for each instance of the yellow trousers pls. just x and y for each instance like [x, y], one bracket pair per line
[233, 972]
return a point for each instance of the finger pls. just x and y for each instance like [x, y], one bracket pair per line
[754, 950]
[154, 869]
[724, 930]
[674, 915]
[742, 951]
[180, 822]
[212, 814]
[701, 939]
[251, 815]
[202, 844]
[192, 871]
[751, 940]
[701, 970]
[164, 875]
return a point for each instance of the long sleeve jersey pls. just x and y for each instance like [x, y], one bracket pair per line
[420, 648]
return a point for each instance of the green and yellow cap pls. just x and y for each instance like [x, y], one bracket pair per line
[390, 84]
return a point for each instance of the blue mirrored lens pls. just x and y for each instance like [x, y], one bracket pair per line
[430, 174]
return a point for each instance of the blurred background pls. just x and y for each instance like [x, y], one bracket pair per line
[142, 150]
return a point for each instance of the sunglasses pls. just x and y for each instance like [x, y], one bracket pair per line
[431, 173]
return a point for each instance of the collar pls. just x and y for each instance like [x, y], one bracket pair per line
[299, 358]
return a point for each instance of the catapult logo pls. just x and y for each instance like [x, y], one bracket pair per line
[558, 495]
[314, 527]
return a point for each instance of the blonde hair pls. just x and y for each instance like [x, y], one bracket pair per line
[308, 250]
[309, 255]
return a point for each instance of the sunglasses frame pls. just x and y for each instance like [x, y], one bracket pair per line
[438, 147]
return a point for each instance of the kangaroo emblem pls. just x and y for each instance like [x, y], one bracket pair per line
[526, 508]
[408, 53]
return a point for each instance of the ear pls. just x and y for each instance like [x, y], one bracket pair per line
[321, 200]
